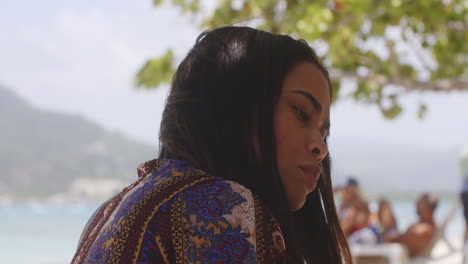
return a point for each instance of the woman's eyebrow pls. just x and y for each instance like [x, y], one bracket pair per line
[315, 103]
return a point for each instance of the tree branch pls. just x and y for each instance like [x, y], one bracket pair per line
[441, 85]
[458, 26]
[413, 43]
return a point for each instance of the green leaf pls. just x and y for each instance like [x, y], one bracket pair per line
[156, 71]
[336, 88]
[422, 110]
[392, 112]
[408, 71]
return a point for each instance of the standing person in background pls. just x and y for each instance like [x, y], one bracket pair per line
[243, 174]
[464, 197]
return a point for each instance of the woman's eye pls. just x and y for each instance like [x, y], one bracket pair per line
[301, 114]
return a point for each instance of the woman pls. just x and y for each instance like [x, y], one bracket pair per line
[244, 172]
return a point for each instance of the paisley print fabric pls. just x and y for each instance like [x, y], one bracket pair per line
[175, 213]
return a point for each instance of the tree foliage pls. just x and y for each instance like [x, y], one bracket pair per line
[389, 48]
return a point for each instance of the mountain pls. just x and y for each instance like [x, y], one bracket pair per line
[44, 153]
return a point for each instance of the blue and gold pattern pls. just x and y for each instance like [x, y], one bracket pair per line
[175, 213]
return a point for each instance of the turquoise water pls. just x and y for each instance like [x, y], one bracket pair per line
[49, 233]
[41, 233]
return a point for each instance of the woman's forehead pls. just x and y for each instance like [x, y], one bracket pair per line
[306, 77]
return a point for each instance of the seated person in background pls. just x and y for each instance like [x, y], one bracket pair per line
[418, 236]
[353, 211]
[368, 233]
[385, 218]
[463, 164]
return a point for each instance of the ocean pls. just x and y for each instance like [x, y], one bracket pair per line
[48, 233]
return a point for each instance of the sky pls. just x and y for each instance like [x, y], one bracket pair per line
[81, 57]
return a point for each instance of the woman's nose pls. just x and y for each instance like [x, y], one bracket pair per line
[319, 149]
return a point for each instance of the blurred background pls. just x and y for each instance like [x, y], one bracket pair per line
[83, 84]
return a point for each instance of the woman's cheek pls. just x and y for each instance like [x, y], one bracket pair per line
[280, 134]
[282, 126]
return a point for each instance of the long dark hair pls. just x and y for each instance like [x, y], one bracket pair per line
[223, 96]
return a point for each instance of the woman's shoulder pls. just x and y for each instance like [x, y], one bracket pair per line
[224, 218]
[181, 205]
[121, 220]
[163, 181]
[168, 178]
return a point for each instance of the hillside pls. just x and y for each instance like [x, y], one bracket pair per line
[43, 153]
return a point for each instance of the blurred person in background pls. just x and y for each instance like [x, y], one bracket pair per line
[418, 235]
[353, 210]
[385, 218]
[464, 196]
[243, 174]
[368, 233]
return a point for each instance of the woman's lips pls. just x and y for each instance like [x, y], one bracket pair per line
[312, 174]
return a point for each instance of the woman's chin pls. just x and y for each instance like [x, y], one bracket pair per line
[297, 205]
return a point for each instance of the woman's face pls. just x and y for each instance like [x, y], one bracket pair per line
[301, 124]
